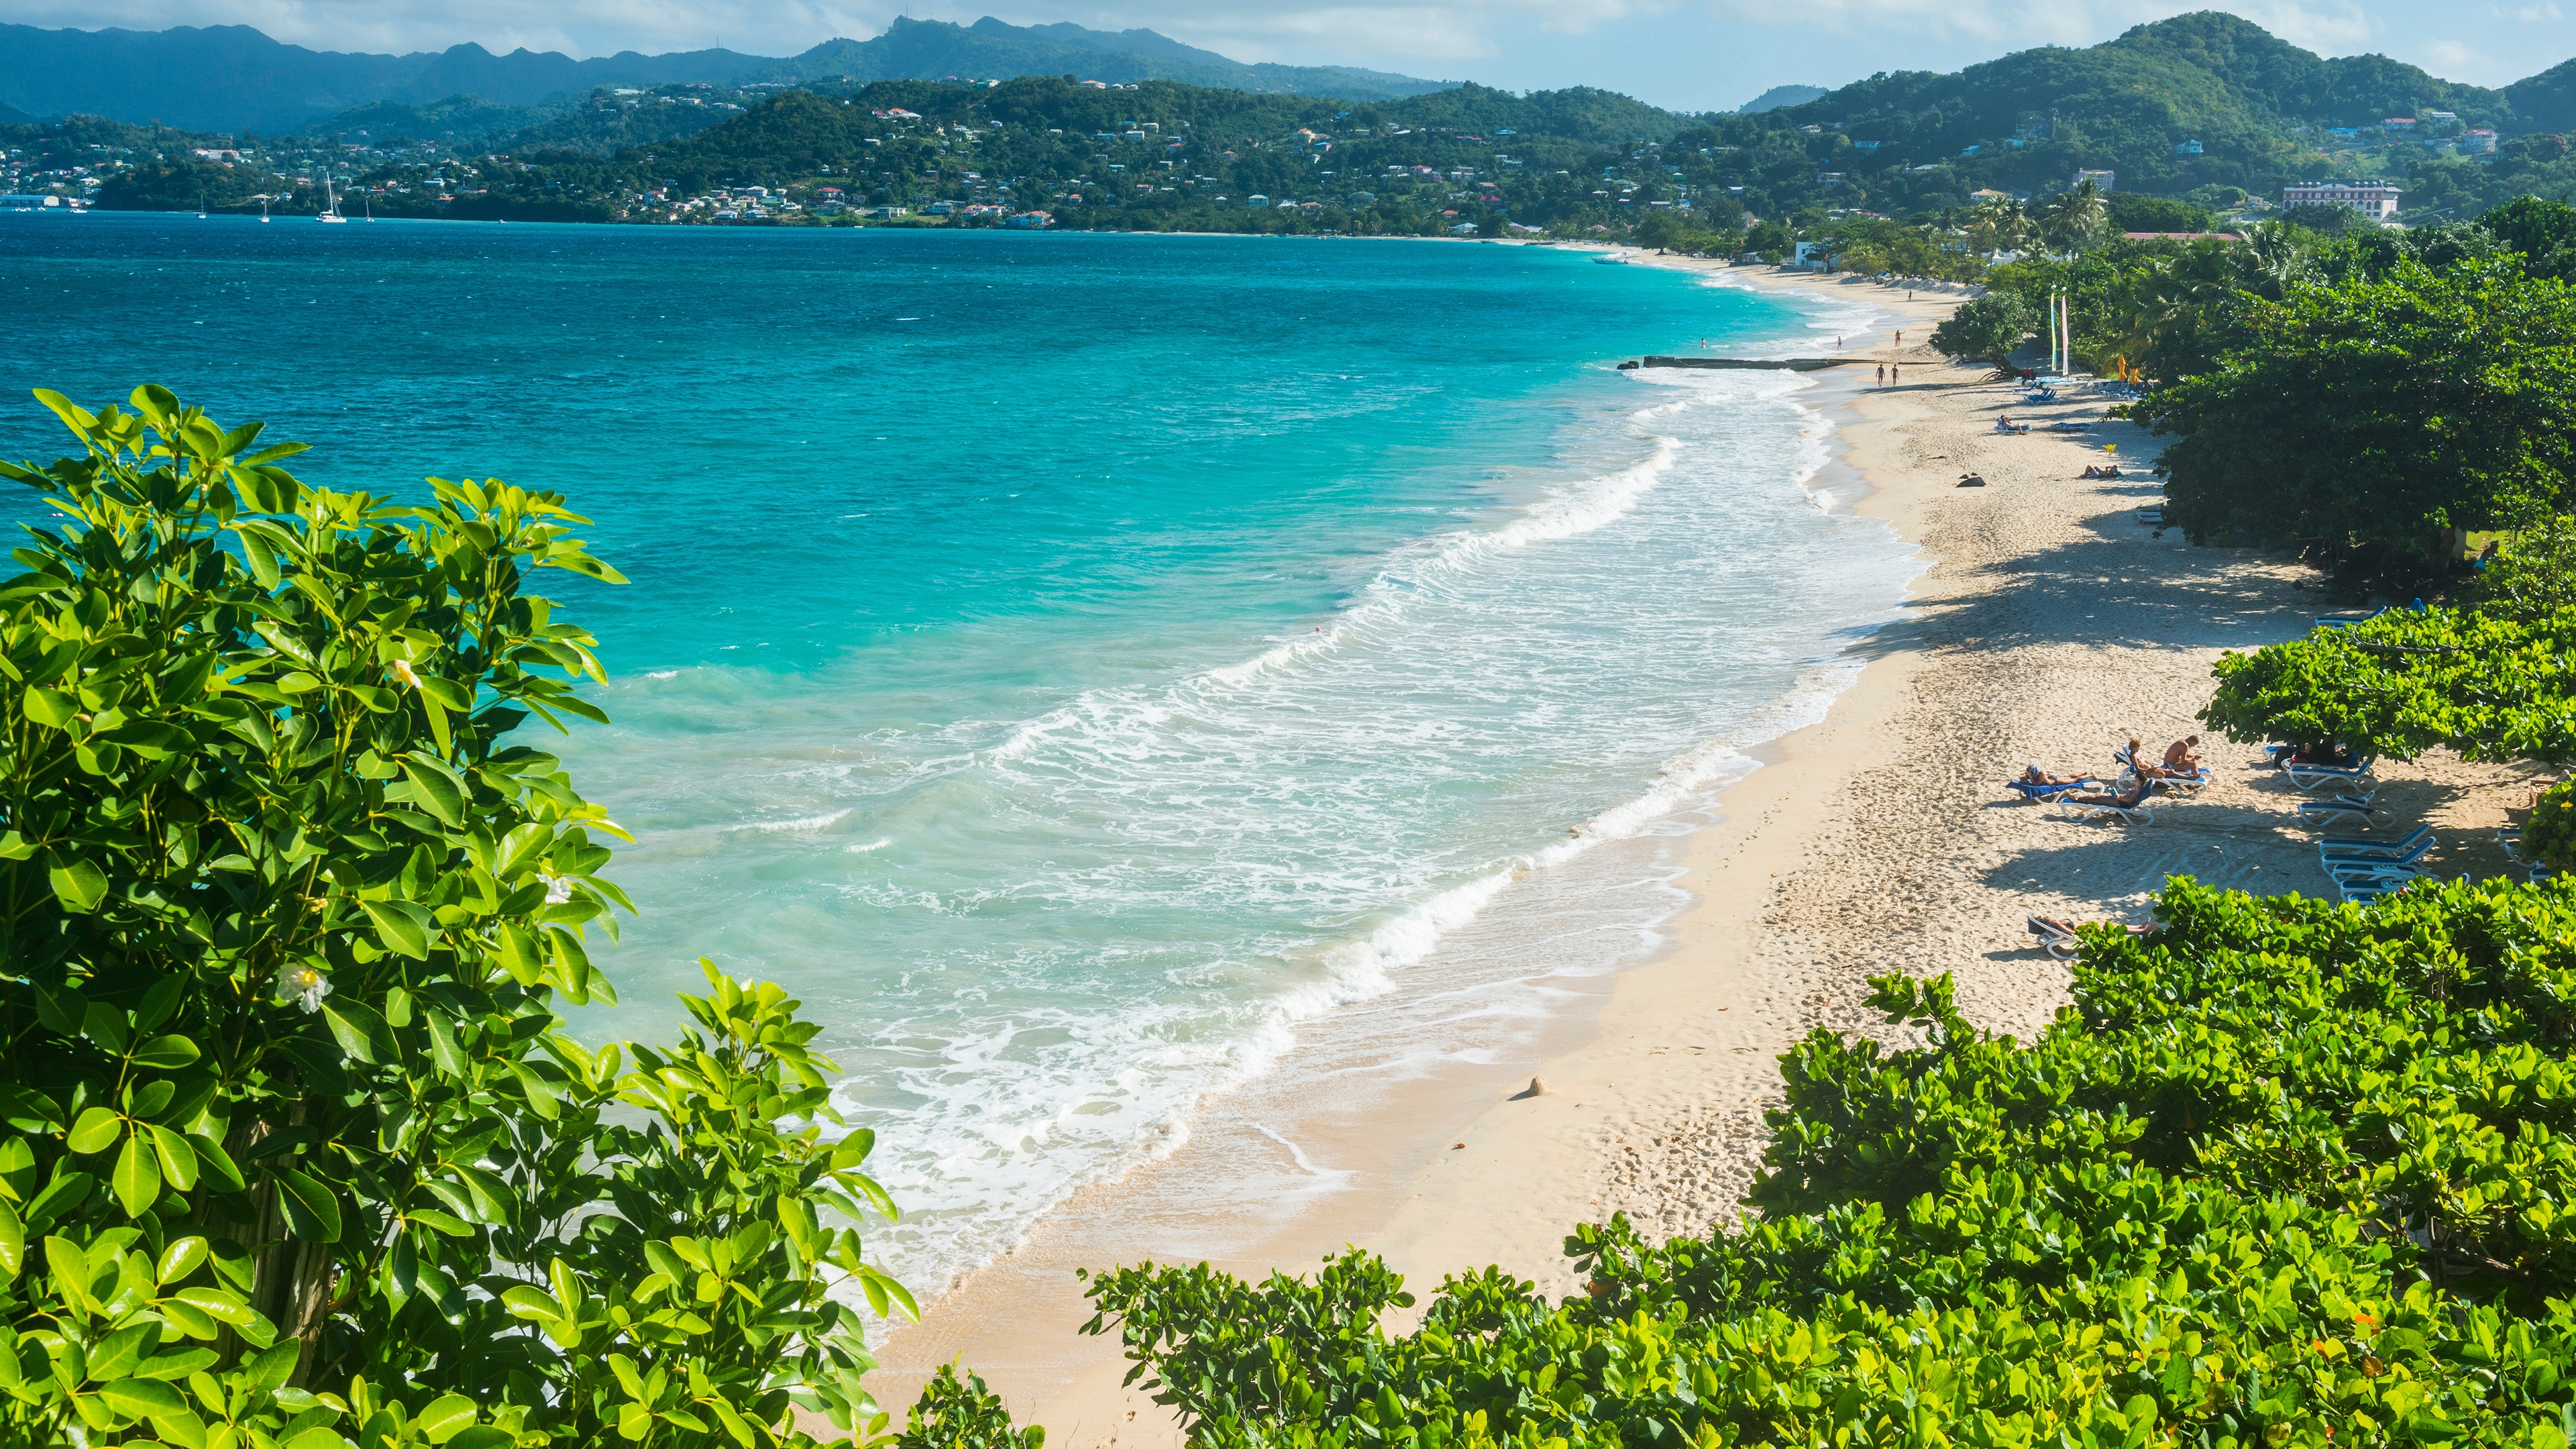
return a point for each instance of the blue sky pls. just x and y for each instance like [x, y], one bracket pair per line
[1686, 54]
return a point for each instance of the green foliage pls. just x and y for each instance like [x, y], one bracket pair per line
[960, 1413]
[302, 1147]
[2550, 835]
[2364, 418]
[1986, 329]
[2287, 1174]
[2543, 231]
[2490, 686]
[2130, 211]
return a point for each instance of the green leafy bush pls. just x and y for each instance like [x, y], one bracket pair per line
[2287, 1173]
[2491, 687]
[2551, 834]
[2363, 419]
[301, 1150]
[1986, 329]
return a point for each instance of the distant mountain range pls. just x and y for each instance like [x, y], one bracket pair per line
[234, 78]
[1778, 96]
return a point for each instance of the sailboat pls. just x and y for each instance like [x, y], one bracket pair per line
[331, 213]
[369, 201]
[263, 209]
[201, 206]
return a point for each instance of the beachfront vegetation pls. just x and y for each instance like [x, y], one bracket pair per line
[302, 1148]
[2286, 1173]
[2369, 417]
[1985, 329]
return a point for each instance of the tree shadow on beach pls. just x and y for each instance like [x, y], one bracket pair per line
[2120, 587]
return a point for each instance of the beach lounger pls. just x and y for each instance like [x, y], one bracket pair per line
[2346, 618]
[2069, 425]
[2029, 791]
[2055, 939]
[2406, 850]
[2155, 516]
[2355, 811]
[2142, 813]
[2308, 777]
[2363, 892]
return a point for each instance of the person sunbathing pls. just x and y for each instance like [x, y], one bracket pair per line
[2034, 775]
[2005, 424]
[2128, 799]
[2182, 757]
[2101, 472]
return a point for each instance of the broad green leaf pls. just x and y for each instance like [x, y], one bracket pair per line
[317, 1437]
[184, 1430]
[219, 1304]
[312, 1211]
[13, 1242]
[436, 788]
[80, 886]
[60, 1196]
[405, 929]
[182, 1257]
[443, 1049]
[356, 1027]
[444, 1417]
[166, 1053]
[29, 1110]
[96, 1131]
[141, 1398]
[137, 1179]
[51, 707]
[212, 1158]
[483, 1436]
[178, 1161]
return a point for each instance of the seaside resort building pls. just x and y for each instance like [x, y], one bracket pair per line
[2374, 199]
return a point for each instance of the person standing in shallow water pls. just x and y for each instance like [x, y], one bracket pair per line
[1882, 374]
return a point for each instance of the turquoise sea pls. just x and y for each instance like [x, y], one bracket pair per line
[1074, 664]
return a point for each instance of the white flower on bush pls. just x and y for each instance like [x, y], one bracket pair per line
[403, 674]
[303, 985]
[558, 888]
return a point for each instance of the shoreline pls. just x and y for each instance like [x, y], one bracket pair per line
[2047, 627]
[1015, 1319]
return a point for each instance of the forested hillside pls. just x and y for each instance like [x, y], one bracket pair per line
[2206, 108]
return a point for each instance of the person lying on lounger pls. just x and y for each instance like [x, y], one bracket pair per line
[2128, 799]
[2110, 472]
[2037, 776]
[2005, 424]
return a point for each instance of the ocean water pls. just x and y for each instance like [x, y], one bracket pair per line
[1074, 665]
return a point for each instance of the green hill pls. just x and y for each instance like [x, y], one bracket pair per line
[2195, 104]
[992, 50]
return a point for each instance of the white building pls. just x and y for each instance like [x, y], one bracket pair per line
[2374, 199]
[2102, 180]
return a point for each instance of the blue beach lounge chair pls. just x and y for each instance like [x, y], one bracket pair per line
[2308, 777]
[2405, 850]
[2030, 790]
[2352, 811]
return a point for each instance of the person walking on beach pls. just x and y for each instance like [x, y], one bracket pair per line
[1882, 374]
[1896, 375]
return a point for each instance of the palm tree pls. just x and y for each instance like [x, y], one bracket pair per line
[2002, 224]
[2071, 219]
[2270, 261]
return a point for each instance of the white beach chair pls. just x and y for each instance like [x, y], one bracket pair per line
[2352, 811]
[2142, 813]
[2308, 777]
[2055, 939]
